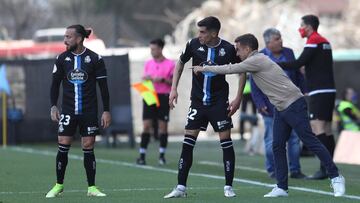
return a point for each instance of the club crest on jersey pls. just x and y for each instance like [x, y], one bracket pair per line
[201, 49]
[222, 52]
[77, 76]
[68, 59]
[87, 59]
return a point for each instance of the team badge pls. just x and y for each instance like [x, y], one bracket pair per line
[68, 59]
[222, 52]
[87, 59]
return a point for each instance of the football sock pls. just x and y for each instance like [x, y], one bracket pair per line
[163, 144]
[324, 140]
[145, 139]
[229, 160]
[61, 162]
[331, 143]
[186, 159]
[90, 166]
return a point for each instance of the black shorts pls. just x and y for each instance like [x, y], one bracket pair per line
[88, 124]
[159, 113]
[321, 106]
[199, 116]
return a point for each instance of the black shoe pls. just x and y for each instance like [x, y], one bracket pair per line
[298, 175]
[318, 175]
[162, 161]
[140, 161]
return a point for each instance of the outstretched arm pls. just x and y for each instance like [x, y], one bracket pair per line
[224, 69]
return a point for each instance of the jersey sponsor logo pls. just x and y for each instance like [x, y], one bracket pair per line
[222, 52]
[201, 49]
[55, 68]
[77, 76]
[68, 59]
[87, 59]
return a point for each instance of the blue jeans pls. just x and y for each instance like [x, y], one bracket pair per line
[296, 117]
[293, 150]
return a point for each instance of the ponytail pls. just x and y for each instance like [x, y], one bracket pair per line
[79, 29]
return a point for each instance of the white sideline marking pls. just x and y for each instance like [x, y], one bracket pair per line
[246, 168]
[121, 163]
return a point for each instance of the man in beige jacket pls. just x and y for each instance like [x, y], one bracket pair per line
[290, 111]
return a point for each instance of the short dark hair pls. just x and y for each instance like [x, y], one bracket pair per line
[311, 20]
[211, 23]
[159, 42]
[79, 29]
[248, 40]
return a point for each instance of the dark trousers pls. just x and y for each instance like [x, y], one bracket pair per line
[296, 117]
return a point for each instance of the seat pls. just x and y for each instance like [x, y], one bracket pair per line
[121, 124]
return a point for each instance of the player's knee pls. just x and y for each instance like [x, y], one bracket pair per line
[88, 143]
[192, 132]
[65, 140]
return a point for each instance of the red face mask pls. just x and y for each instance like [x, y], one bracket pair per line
[302, 32]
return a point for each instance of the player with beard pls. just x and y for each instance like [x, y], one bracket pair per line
[78, 69]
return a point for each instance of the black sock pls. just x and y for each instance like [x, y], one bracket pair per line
[90, 166]
[145, 139]
[331, 144]
[324, 140]
[186, 159]
[228, 159]
[163, 144]
[61, 162]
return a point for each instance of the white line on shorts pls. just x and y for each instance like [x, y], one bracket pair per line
[121, 163]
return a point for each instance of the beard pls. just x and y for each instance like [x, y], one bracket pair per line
[71, 47]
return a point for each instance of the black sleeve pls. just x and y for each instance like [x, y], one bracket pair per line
[100, 69]
[57, 77]
[104, 90]
[186, 54]
[304, 59]
[348, 112]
